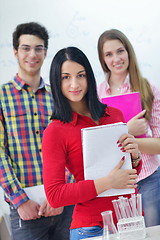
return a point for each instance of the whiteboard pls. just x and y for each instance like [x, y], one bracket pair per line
[80, 23]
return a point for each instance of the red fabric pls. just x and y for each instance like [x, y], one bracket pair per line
[62, 146]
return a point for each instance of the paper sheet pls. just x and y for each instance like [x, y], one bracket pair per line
[36, 193]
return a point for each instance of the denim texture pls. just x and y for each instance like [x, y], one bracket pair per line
[85, 232]
[44, 228]
[150, 190]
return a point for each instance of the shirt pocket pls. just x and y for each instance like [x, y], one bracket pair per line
[17, 121]
[44, 118]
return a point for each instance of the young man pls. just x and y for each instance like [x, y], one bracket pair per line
[25, 111]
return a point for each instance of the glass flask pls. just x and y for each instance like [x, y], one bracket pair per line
[109, 229]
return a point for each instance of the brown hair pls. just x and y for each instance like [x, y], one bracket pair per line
[137, 81]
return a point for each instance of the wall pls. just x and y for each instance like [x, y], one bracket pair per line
[5, 232]
[79, 23]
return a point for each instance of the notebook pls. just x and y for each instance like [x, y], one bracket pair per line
[101, 153]
[129, 104]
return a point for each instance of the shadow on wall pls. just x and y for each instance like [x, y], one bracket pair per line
[5, 232]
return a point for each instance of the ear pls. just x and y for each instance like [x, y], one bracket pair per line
[45, 53]
[15, 53]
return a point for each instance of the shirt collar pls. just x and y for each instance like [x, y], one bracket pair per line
[126, 82]
[74, 119]
[76, 116]
[20, 84]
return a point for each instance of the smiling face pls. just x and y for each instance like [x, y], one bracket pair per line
[74, 82]
[29, 62]
[115, 57]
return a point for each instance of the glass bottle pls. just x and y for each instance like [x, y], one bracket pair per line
[109, 229]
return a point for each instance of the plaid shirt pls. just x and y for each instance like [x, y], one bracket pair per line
[23, 117]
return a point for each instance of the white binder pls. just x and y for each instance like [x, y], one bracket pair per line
[101, 153]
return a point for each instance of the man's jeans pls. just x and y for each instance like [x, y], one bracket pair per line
[44, 228]
[150, 190]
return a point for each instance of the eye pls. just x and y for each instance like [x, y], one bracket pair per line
[25, 48]
[108, 54]
[65, 77]
[120, 50]
[39, 49]
[82, 75]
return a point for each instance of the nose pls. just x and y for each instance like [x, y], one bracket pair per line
[74, 83]
[116, 58]
[32, 52]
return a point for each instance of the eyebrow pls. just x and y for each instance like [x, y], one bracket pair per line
[77, 73]
[116, 49]
[121, 47]
[81, 71]
[26, 45]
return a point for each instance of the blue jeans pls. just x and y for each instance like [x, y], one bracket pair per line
[44, 228]
[85, 232]
[150, 190]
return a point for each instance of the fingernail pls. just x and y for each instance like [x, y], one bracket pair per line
[123, 158]
[120, 145]
[117, 141]
[122, 149]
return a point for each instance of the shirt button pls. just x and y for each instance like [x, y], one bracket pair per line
[37, 132]
[35, 114]
[40, 150]
[32, 96]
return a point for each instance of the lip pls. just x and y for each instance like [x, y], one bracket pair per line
[118, 66]
[120, 63]
[75, 92]
[31, 63]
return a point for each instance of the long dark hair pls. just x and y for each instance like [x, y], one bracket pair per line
[62, 110]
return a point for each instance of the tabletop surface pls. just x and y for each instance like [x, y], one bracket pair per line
[152, 233]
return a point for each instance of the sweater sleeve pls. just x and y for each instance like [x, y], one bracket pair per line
[139, 167]
[58, 192]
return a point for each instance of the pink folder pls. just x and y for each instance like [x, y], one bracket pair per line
[129, 104]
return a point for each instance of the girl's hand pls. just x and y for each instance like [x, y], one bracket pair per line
[127, 143]
[120, 178]
[138, 125]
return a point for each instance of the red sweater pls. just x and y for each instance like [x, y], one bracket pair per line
[62, 147]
